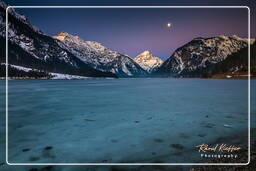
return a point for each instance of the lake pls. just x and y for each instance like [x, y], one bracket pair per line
[137, 120]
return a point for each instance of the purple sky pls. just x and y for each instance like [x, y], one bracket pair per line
[131, 31]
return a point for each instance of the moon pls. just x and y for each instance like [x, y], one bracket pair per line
[169, 25]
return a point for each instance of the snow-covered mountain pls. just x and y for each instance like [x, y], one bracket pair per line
[30, 47]
[148, 61]
[200, 54]
[99, 56]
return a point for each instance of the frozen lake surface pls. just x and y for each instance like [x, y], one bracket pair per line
[122, 120]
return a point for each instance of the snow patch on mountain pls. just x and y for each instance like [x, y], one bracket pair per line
[148, 61]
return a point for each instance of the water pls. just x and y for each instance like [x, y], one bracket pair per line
[122, 120]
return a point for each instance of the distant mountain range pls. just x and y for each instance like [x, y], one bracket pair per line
[35, 54]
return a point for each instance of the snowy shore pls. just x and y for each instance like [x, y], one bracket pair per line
[51, 75]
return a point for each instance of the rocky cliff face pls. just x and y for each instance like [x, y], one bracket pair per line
[148, 61]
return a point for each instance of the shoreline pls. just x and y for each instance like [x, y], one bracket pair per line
[95, 78]
[88, 78]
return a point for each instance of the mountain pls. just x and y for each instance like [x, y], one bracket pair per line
[99, 56]
[29, 47]
[148, 61]
[198, 57]
[236, 64]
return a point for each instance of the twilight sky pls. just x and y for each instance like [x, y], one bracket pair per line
[131, 31]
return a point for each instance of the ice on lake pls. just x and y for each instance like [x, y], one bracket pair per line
[122, 120]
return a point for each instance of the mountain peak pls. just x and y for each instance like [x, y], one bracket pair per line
[236, 36]
[148, 61]
[145, 55]
[146, 52]
[220, 36]
[63, 35]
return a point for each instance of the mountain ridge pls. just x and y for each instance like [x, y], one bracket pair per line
[200, 53]
[100, 57]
